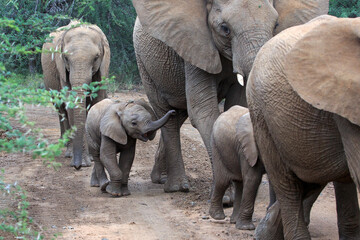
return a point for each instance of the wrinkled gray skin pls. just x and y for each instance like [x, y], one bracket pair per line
[235, 158]
[85, 59]
[314, 137]
[188, 53]
[113, 127]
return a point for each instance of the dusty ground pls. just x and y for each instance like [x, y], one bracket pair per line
[63, 202]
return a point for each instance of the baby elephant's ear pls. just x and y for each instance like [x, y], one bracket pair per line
[246, 140]
[111, 125]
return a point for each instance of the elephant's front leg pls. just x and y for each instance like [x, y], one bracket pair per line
[108, 159]
[202, 101]
[126, 160]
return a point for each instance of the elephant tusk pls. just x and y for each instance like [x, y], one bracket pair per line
[240, 79]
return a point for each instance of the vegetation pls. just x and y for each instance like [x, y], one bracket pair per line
[344, 9]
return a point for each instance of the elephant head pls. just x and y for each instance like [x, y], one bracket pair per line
[200, 31]
[135, 119]
[84, 58]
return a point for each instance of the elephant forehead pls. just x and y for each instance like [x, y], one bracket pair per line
[84, 34]
[136, 112]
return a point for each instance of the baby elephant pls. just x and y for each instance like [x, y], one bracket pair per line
[113, 127]
[235, 158]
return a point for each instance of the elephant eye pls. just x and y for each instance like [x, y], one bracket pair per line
[96, 57]
[133, 123]
[225, 29]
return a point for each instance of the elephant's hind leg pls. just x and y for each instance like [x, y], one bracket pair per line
[175, 169]
[158, 173]
[288, 189]
[347, 207]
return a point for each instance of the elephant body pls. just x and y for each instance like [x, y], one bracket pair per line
[79, 54]
[111, 128]
[235, 158]
[190, 55]
[303, 118]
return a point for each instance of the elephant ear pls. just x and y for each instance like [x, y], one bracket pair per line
[182, 25]
[144, 104]
[246, 140]
[297, 12]
[104, 67]
[111, 125]
[58, 58]
[324, 67]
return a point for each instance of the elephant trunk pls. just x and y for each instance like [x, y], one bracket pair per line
[155, 125]
[79, 118]
[244, 54]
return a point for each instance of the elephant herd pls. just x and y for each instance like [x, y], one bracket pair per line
[294, 70]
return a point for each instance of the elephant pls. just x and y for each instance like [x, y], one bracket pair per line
[303, 97]
[235, 158]
[113, 127]
[82, 56]
[191, 55]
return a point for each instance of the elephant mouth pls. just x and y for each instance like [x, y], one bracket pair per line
[144, 137]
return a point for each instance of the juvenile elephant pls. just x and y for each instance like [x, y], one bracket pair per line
[189, 54]
[113, 127]
[303, 96]
[82, 55]
[235, 158]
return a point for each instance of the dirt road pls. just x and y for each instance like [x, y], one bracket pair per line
[63, 202]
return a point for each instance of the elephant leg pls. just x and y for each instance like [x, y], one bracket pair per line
[350, 135]
[176, 178]
[126, 160]
[202, 101]
[272, 196]
[86, 157]
[64, 126]
[98, 175]
[239, 186]
[288, 189]
[309, 200]
[221, 182]
[158, 173]
[347, 207]
[252, 180]
[108, 159]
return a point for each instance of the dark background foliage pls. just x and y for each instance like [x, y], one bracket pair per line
[34, 19]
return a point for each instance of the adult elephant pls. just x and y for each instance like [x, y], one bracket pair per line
[309, 76]
[189, 54]
[82, 56]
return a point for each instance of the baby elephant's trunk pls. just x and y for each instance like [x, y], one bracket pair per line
[155, 125]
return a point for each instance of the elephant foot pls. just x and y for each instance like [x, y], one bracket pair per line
[217, 213]
[174, 186]
[86, 161]
[124, 190]
[157, 177]
[228, 198]
[233, 218]
[69, 150]
[104, 184]
[270, 227]
[245, 225]
[114, 189]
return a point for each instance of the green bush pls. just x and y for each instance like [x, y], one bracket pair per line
[344, 9]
